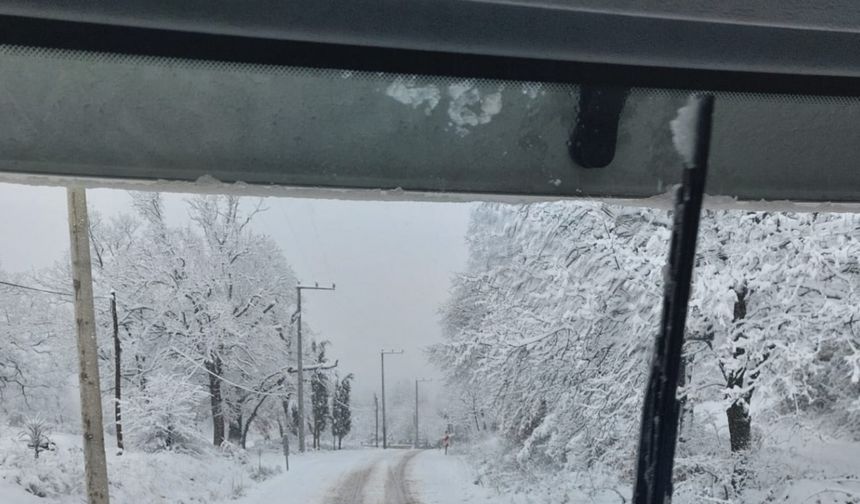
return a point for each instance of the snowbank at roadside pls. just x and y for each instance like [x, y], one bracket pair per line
[795, 464]
[450, 479]
[167, 477]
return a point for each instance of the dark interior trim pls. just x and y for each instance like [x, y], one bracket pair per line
[82, 36]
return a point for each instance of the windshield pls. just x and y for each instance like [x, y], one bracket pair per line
[323, 286]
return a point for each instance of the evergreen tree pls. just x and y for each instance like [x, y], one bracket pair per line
[319, 397]
[340, 410]
[295, 422]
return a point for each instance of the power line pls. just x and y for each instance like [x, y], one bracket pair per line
[316, 235]
[37, 289]
[303, 256]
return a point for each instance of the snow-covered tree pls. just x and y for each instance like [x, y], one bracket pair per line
[36, 347]
[163, 415]
[341, 411]
[320, 412]
[774, 300]
[211, 301]
[552, 323]
[553, 320]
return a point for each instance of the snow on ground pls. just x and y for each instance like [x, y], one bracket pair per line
[372, 476]
[359, 476]
[803, 470]
[449, 479]
[11, 493]
[309, 477]
[808, 467]
[796, 464]
[57, 477]
[536, 483]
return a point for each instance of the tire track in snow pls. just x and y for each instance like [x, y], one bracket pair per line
[396, 485]
[353, 487]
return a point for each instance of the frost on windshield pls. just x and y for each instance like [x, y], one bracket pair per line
[533, 89]
[470, 107]
[406, 92]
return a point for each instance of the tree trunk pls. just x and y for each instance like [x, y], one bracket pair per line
[315, 431]
[214, 368]
[117, 373]
[253, 416]
[739, 427]
[290, 424]
[171, 435]
[141, 372]
[234, 430]
[738, 413]
[684, 379]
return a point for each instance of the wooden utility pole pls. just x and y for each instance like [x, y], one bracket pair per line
[415, 445]
[376, 414]
[300, 366]
[284, 429]
[95, 464]
[117, 373]
[300, 358]
[382, 354]
[286, 445]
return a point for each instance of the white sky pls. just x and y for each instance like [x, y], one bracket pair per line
[392, 263]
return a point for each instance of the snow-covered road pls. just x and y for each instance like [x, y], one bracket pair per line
[383, 480]
[375, 477]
